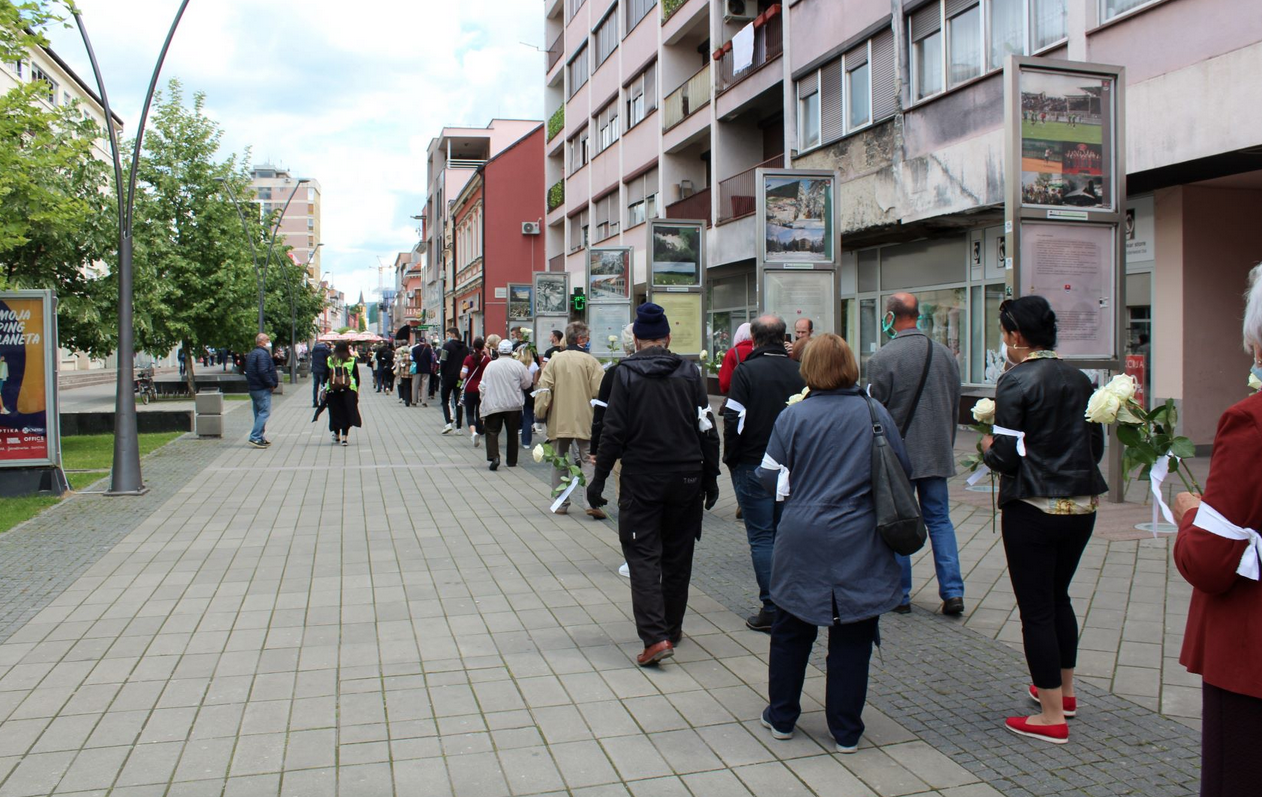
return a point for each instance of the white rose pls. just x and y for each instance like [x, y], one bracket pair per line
[705, 355]
[613, 339]
[537, 453]
[1255, 384]
[796, 397]
[984, 411]
[1103, 407]
[1123, 386]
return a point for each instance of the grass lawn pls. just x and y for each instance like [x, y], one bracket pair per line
[93, 453]
[1062, 131]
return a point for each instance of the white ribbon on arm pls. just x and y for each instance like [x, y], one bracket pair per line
[703, 419]
[599, 403]
[1211, 520]
[535, 393]
[564, 496]
[1004, 432]
[1156, 476]
[739, 408]
[782, 481]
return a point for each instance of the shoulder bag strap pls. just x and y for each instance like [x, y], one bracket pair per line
[920, 389]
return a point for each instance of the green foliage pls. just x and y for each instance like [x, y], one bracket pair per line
[556, 123]
[284, 277]
[556, 195]
[1152, 437]
[571, 470]
[669, 7]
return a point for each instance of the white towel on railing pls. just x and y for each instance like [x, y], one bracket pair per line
[743, 49]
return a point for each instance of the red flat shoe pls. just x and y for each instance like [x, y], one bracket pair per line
[1070, 704]
[655, 653]
[1056, 734]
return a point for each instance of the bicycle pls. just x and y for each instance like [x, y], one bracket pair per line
[144, 386]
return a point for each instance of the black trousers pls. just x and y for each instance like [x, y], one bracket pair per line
[510, 422]
[659, 521]
[473, 410]
[405, 390]
[1231, 734]
[846, 686]
[451, 398]
[1043, 552]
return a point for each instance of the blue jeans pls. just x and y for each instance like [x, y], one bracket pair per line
[761, 513]
[527, 420]
[316, 381]
[935, 507]
[262, 402]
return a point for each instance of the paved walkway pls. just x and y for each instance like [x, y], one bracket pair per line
[390, 618]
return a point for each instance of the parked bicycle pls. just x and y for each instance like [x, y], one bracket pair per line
[145, 387]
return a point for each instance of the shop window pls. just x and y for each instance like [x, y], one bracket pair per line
[931, 262]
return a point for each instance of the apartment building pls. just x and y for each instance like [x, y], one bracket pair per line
[300, 226]
[453, 157]
[667, 108]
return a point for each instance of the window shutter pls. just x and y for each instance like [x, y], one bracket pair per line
[650, 181]
[635, 191]
[954, 7]
[830, 101]
[857, 57]
[884, 94]
[926, 21]
[808, 85]
[650, 87]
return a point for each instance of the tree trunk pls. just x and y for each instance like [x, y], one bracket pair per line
[189, 360]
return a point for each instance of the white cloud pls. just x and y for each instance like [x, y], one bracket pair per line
[347, 93]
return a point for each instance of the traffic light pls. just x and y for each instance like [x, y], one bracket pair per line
[578, 300]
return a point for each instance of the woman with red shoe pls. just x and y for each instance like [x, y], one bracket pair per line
[1047, 456]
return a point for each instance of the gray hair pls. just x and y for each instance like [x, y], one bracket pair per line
[574, 331]
[1253, 311]
[767, 330]
[628, 339]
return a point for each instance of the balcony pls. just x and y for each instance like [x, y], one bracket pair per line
[696, 206]
[556, 263]
[556, 122]
[686, 100]
[738, 193]
[556, 195]
[556, 51]
[768, 46]
[465, 163]
[669, 7]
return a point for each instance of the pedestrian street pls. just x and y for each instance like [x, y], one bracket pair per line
[391, 618]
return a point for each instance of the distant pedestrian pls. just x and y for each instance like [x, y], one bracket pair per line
[181, 356]
[761, 388]
[554, 345]
[433, 368]
[831, 567]
[385, 368]
[501, 390]
[403, 372]
[742, 345]
[475, 364]
[319, 369]
[569, 382]
[918, 380]
[526, 355]
[342, 393]
[261, 380]
[422, 364]
[660, 426]
[1049, 490]
[451, 360]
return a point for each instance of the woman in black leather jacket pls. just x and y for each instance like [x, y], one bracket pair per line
[1047, 455]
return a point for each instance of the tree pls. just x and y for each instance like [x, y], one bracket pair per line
[285, 276]
[56, 206]
[194, 271]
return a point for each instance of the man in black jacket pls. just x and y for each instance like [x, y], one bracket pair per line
[261, 380]
[423, 362]
[450, 361]
[319, 369]
[761, 387]
[659, 424]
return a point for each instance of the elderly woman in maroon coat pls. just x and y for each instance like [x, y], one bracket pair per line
[1217, 551]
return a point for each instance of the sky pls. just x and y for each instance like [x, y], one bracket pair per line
[349, 94]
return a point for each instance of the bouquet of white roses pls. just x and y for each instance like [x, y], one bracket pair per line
[1148, 435]
[984, 414]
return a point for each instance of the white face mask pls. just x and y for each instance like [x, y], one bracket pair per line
[269, 344]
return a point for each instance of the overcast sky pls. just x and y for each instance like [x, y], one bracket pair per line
[348, 93]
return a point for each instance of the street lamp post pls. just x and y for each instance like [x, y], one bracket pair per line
[293, 319]
[125, 475]
[260, 275]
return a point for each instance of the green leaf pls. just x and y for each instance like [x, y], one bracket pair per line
[576, 471]
[1129, 435]
[1183, 448]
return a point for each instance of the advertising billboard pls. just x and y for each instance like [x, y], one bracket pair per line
[29, 420]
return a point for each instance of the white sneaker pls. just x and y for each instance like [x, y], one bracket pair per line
[625, 570]
[477, 440]
[447, 429]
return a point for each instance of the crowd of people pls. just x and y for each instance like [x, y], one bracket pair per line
[798, 435]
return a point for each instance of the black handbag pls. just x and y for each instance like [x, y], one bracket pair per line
[898, 517]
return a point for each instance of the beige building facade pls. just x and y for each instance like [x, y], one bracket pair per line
[300, 226]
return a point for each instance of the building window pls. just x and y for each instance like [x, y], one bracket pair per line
[858, 95]
[605, 216]
[606, 37]
[926, 51]
[311, 194]
[642, 95]
[642, 198]
[1115, 8]
[965, 45]
[578, 230]
[636, 9]
[311, 243]
[39, 74]
[572, 7]
[607, 127]
[1048, 18]
[808, 112]
[578, 70]
[310, 224]
[578, 151]
[1007, 30]
[17, 67]
[265, 193]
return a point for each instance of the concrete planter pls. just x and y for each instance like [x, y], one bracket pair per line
[209, 402]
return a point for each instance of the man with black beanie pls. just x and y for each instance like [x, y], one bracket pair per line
[659, 424]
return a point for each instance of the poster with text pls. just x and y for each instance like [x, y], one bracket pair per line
[545, 325]
[1071, 265]
[550, 290]
[1066, 140]
[605, 321]
[609, 275]
[794, 295]
[683, 311]
[676, 255]
[799, 219]
[25, 360]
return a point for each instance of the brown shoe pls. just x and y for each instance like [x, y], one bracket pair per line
[565, 510]
[599, 514]
[655, 653]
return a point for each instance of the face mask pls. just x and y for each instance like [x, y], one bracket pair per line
[269, 344]
[1256, 370]
[887, 326]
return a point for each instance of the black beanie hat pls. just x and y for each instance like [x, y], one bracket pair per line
[650, 322]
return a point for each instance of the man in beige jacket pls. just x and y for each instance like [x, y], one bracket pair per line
[570, 381]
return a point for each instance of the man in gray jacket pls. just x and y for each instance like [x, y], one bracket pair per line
[918, 380]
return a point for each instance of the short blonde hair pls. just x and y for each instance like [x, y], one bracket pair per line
[828, 363]
[492, 342]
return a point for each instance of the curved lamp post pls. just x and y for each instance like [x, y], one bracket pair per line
[293, 317]
[125, 476]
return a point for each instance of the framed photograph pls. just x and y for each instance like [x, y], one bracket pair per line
[683, 310]
[1071, 265]
[551, 293]
[1067, 124]
[609, 275]
[676, 256]
[521, 302]
[797, 217]
[605, 321]
[794, 295]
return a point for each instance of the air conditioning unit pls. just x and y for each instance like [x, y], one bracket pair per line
[530, 228]
[739, 10]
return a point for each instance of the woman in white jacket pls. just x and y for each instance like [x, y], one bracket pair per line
[502, 398]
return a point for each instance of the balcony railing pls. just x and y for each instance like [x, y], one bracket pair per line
[696, 206]
[737, 193]
[556, 195]
[556, 122]
[556, 263]
[687, 99]
[768, 45]
[465, 163]
[556, 51]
